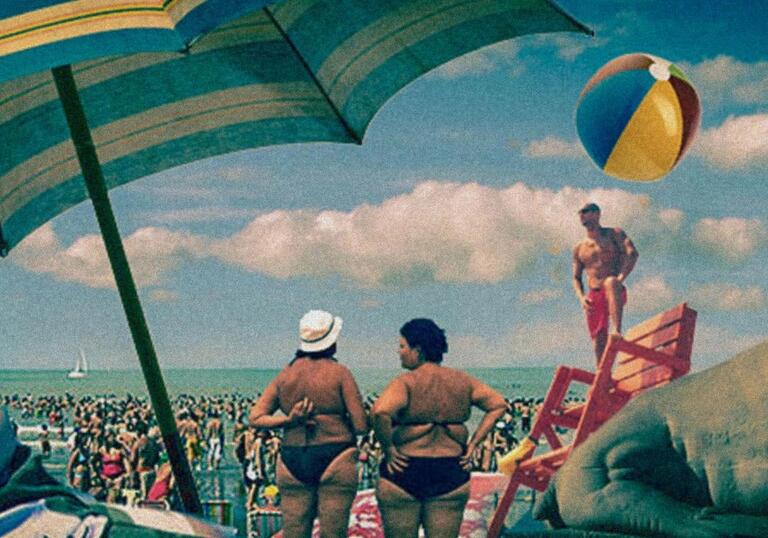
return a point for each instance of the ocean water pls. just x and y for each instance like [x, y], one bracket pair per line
[511, 382]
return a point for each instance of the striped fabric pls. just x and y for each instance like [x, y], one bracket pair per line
[295, 71]
[40, 34]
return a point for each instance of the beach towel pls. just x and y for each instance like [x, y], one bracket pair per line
[32, 503]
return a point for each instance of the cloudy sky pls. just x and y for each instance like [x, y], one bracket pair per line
[460, 206]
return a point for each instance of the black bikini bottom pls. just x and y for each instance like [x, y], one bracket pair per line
[428, 477]
[308, 463]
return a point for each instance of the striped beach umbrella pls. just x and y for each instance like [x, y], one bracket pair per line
[97, 93]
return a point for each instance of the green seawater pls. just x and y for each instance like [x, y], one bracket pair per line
[511, 382]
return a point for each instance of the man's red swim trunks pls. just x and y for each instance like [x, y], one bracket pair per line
[597, 316]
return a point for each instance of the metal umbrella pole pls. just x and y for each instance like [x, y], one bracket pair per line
[97, 190]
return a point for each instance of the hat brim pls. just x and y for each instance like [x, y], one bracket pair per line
[327, 341]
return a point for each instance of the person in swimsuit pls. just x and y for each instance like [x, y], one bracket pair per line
[214, 438]
[321, 412]
[164, 482]
[419, 421]
[608, 256]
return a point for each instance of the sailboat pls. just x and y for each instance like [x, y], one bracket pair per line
[81, 367]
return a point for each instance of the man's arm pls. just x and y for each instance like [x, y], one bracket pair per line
[578, 285]
[629, 254]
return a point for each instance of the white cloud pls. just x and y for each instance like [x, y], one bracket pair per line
[740, 142]
[163, 296]
[552, 146]
[725, 78]
[672, 218]
[570, 47]
[152, 253]
[649, 294]
[482, 61]
[464, 233]
[753, 93]
[439, 232]
[727, 297]
[541, 296]
[733, 239]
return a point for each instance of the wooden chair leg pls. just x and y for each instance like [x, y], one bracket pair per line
[497, 523]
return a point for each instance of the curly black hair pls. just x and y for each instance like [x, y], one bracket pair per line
[427, 336]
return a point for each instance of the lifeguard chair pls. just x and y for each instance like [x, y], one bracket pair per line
[649, 355]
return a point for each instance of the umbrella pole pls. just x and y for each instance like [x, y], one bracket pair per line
[97, 190]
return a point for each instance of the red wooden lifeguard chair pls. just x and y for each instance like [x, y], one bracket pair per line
[651, 354]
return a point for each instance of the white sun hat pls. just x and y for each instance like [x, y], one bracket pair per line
[318, 330]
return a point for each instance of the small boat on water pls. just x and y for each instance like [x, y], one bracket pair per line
[81, 367]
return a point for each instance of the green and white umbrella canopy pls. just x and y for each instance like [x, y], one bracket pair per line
[140, 86]
[298, 71]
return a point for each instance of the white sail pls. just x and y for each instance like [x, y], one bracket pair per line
[83, 364]
[81, 367]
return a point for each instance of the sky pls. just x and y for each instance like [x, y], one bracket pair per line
[460, 205]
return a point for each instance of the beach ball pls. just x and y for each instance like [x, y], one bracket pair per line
[637, 116]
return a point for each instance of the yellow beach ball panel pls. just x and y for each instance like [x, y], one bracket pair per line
[649, 146]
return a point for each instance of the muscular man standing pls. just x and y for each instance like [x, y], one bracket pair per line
[608, 256]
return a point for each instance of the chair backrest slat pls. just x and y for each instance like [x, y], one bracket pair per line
[672, 334]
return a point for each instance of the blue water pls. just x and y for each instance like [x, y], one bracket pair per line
[511, 382]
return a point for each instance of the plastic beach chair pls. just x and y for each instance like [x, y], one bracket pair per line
[649, 355]
[264, 522]
[218, 510]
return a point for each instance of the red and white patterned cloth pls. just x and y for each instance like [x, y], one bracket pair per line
[365, 520]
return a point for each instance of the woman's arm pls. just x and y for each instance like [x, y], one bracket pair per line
[71, 464]
[493, 404]
[392, 400]
[354, 403]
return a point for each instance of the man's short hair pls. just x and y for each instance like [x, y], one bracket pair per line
[589, 208]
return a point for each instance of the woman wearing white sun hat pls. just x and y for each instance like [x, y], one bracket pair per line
[321, 412]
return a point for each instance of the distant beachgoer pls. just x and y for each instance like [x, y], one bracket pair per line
[419, 421]
[78, 468]
[146, 456]
[163, 486]
[608, 256]
[255, 470]
[193, 446]
[525, 417]
[45, 443]
[214, 440]
[322, 411]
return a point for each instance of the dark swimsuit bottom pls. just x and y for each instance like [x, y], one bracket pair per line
[308, 463]
[428, 477]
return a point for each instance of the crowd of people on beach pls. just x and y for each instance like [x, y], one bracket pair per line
[115, 450]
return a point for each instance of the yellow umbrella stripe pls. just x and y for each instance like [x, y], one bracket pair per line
[29, 92]
[39, 23]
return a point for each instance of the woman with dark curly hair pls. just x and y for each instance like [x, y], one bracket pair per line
[419, 421]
